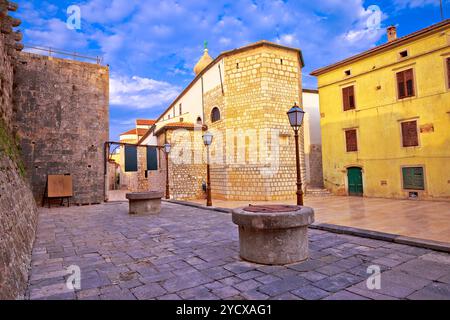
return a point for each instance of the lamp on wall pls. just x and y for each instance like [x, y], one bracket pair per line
[167, 147]
[296, 115]
[207, 140]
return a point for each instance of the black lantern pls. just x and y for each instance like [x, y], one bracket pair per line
[296, 115]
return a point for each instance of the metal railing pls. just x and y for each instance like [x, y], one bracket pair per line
[55, 52]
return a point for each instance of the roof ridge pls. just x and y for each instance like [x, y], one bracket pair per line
[380, 47]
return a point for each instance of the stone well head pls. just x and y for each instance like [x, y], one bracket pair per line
[273, 234]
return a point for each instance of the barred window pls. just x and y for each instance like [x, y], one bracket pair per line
[413, 178]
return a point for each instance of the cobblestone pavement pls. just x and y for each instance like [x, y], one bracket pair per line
[189, 253]
[419, 219]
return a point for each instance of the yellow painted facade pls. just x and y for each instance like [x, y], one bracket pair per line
[379, 112]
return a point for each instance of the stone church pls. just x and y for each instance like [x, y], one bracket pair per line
[241, 97]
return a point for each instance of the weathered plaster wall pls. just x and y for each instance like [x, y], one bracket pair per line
[62, 119]
[18, 212]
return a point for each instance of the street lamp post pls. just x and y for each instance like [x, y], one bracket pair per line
[207, 140]
[295, 115]
[167, 147]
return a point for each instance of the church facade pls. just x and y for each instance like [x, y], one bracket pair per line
[241, 97]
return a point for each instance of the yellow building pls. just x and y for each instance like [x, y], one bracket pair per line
[385, 118]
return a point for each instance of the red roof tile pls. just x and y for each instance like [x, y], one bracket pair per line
[138, 131]
[145, 122]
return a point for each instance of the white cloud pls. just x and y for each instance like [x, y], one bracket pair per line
[54, 33]
[141, 93]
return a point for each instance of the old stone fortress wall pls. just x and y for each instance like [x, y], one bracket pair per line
[54, 120]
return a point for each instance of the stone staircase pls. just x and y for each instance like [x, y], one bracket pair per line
[317, 192]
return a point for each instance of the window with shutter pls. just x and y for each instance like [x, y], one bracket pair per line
[131, 158]
[348, 97]
[448, 72]
[405, 84]
[413, 178]
[152, 158]
[351, 140]
[409, 134]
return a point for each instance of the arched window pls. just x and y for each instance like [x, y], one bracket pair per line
[215, 114]
[199, 120]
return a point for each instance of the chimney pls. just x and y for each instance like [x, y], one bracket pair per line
[392, 33]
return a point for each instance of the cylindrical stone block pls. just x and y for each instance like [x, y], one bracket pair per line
[277, 246]
[274, 238]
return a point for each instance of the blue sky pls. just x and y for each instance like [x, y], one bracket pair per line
[152, 46]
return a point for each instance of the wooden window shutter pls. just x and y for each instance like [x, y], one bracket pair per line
[405, 84]
[348, 97]
[152, 158]
[131, 159]
[351, 97]
[351, 140]
[409, 80]
[448, 72]
[401, 85]
[345, 98]
[409, 134]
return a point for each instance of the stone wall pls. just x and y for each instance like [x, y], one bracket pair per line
[62, 119]
[187, 165]
[18, 212]
[314, 159]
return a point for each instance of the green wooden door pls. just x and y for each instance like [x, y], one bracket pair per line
[355, 185]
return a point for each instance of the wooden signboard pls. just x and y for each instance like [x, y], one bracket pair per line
[58, 186]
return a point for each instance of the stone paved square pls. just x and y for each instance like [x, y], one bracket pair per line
[190, 253]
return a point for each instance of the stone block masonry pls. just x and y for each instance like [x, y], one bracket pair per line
[62, 120]
[18, 212]
[260, 85]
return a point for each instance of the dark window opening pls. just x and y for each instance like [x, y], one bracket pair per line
[281, 61]
[199, 120]
[405, 84]
[180, 109]
[348, 72]
[448, 72]
[348, 94]
[351, 140]
[413, 178]
[409, 134]
[404, 54]
[413, 195]
[215, 114]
